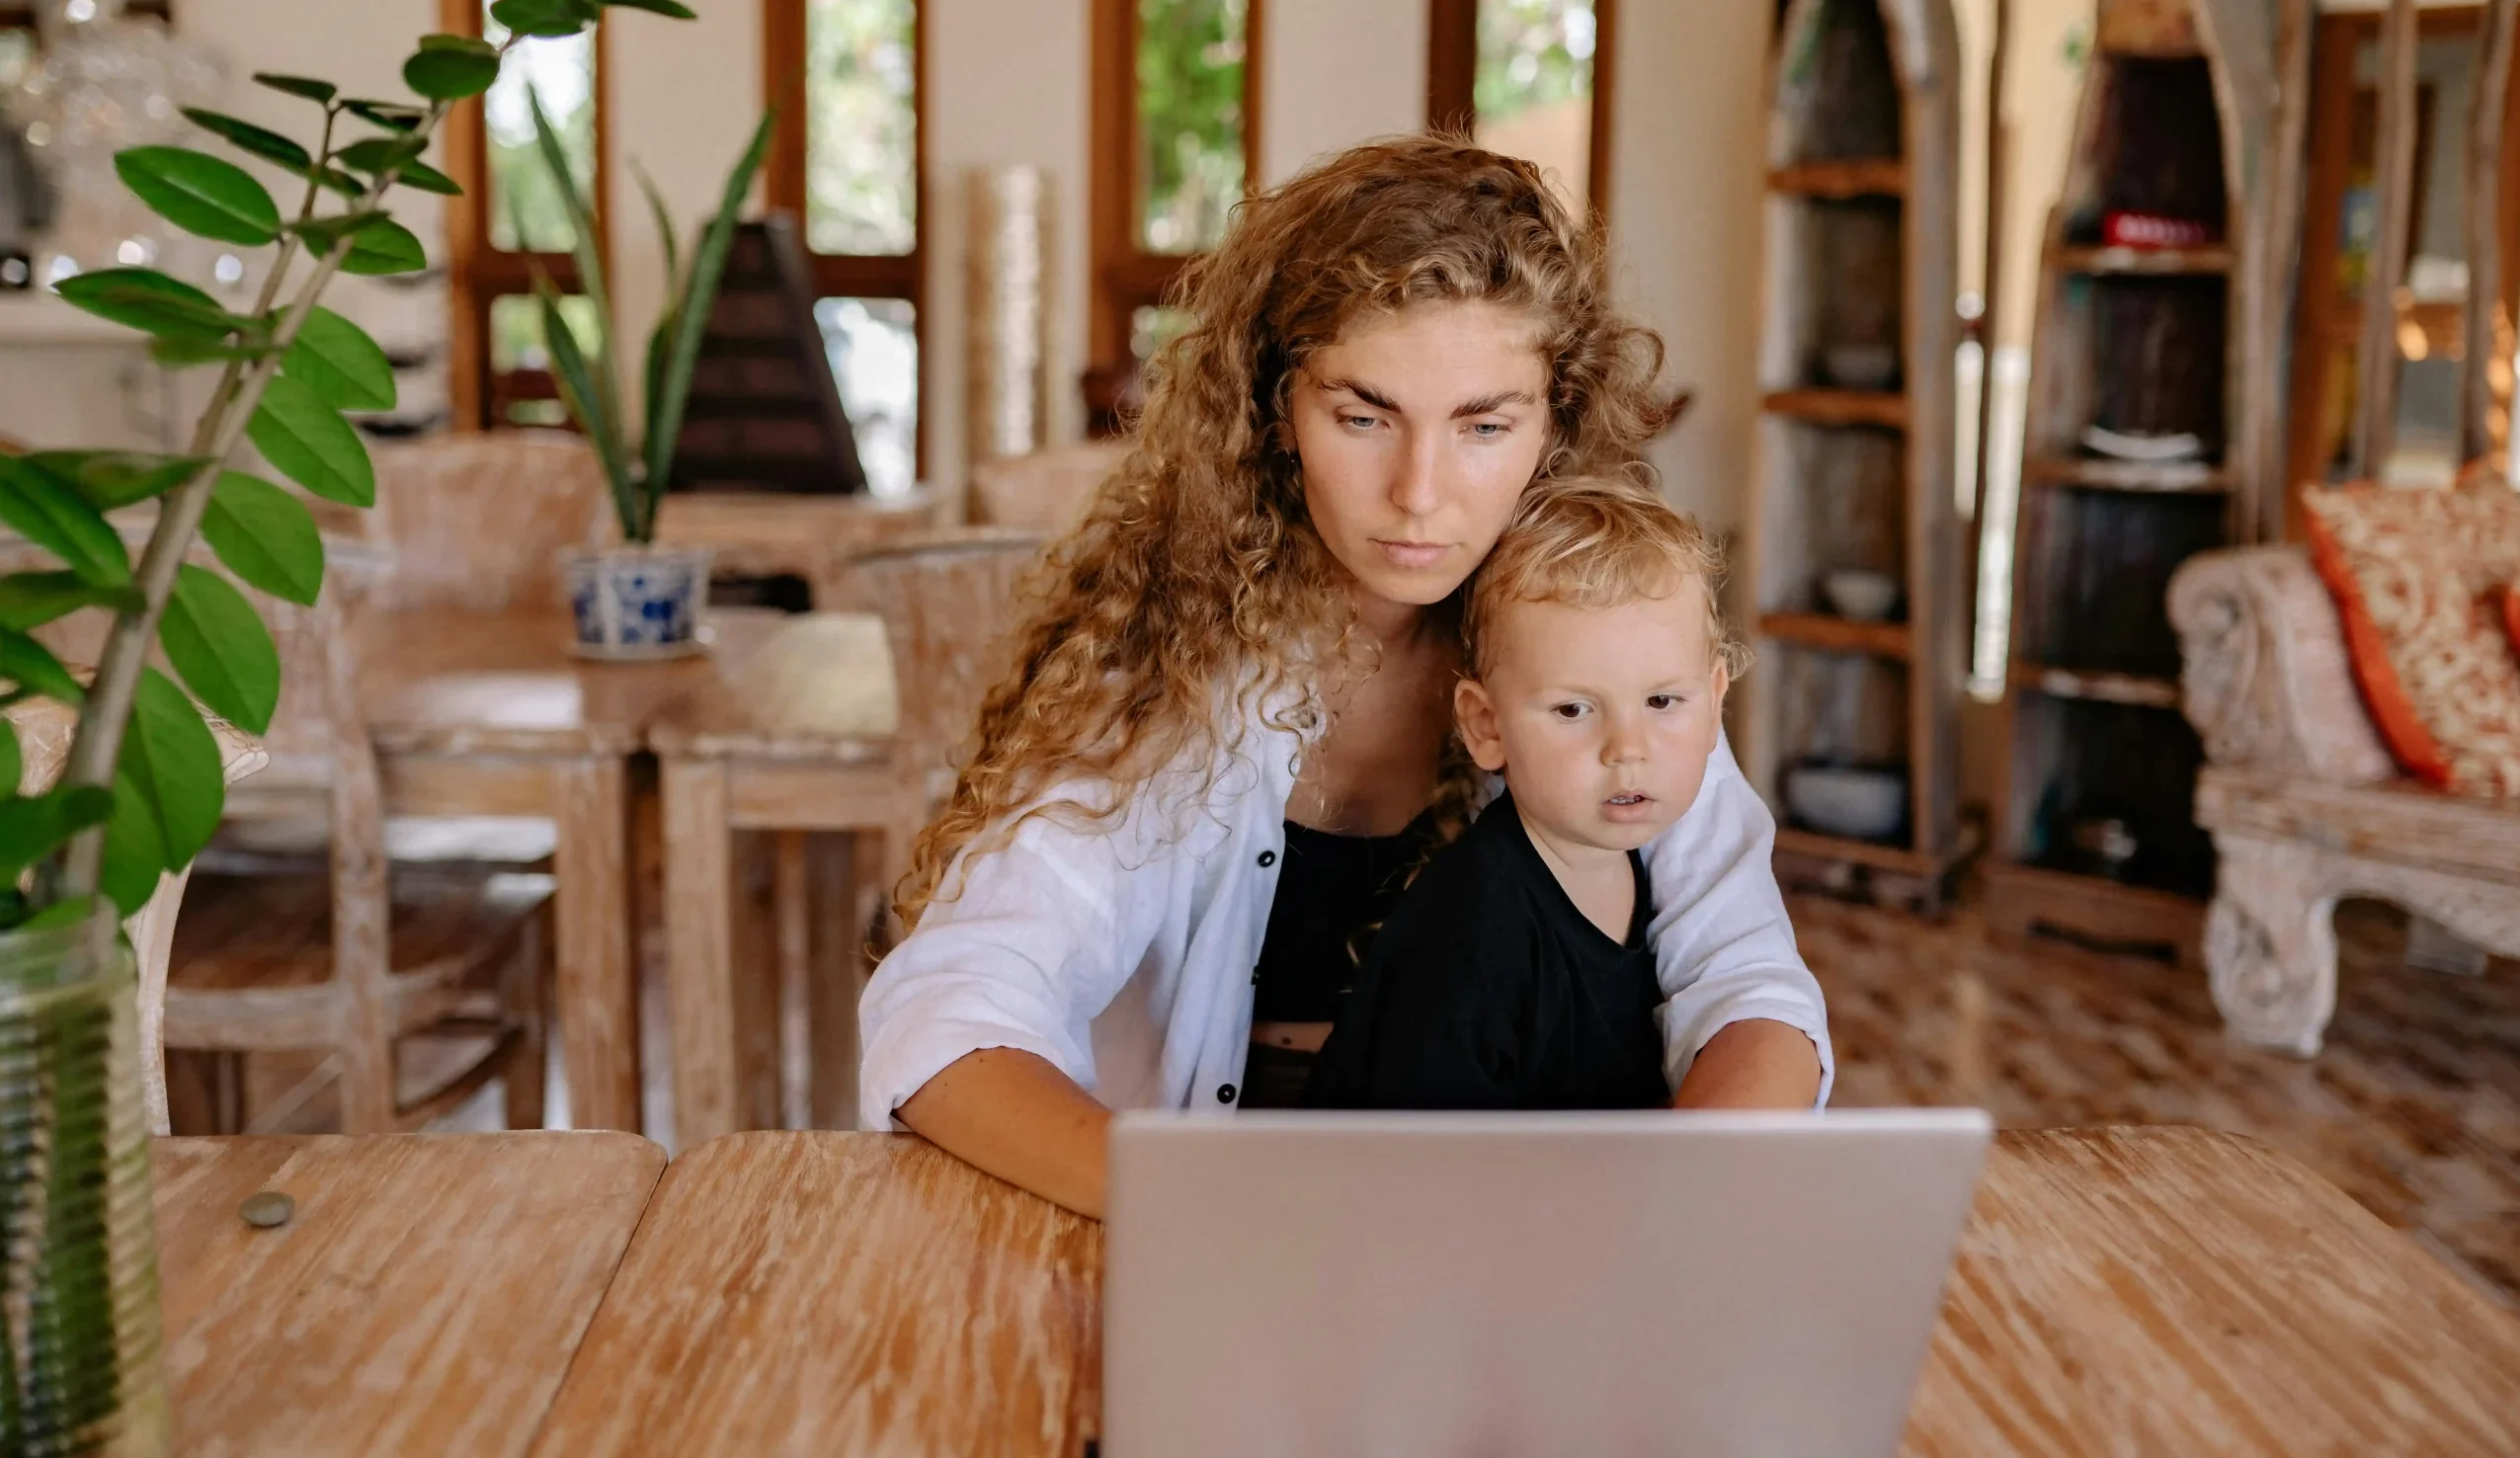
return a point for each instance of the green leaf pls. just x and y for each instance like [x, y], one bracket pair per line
[265, 535]
[183, 354]
[385, 247]
[114, 479]
[323, 234]
[337, 359]
[217, 642]
[50, 512]
[172, 756]
[13, 764]
[298, 86]
[149, 301]
[201, 194]
[334, 180]
[33, 827]
[29, 599]
[379, 155]
[673, 7]
[310, 442]
[584, 396]
[259, 141]
[597, 383]
[689, 320]
[68, 913]
[392, 115]
[134, 849]
[452, 67]
[550, 18]
[31, 667]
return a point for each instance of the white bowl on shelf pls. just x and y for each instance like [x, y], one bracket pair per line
[1863, 596]
[1851, 801]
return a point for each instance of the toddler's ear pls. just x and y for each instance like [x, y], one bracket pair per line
[1475, 714]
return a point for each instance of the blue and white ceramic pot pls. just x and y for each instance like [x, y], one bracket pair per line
[638, 601]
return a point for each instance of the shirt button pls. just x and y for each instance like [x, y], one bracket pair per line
[1225, 1094]
[1268, 859]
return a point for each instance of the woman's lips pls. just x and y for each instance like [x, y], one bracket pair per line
[1413, 554]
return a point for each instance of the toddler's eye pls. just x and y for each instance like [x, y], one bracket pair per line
[1660, 701]
[1570, 711]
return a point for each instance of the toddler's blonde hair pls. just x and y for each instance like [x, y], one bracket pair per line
[1595, 541]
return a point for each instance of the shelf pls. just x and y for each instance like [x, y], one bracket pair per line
[1866, 177]
[2118, 261]
[1882, 854]
[2092, 910]
[2098, 474]
[1837, 634]
[1887, 409]
[2132, 690]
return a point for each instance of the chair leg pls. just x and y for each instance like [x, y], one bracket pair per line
[2270, 943]
[839, 867]
[526, 998]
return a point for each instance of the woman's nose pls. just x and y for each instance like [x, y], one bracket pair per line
[1419, 488]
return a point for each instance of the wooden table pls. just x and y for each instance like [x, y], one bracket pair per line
[492, 714]
[425, 1299]
[2133, 1291]
[794, 740]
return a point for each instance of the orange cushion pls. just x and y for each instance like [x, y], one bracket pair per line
[2511, 613]
[2414, 572]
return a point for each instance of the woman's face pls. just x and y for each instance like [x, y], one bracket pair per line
[1415, 433]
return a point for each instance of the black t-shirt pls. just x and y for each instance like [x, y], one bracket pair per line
[1487, 988]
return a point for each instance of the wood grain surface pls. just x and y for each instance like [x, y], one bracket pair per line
[2122, 1291]
[425, 1299]
[824, 1293]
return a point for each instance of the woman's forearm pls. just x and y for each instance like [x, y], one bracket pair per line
[1013, 1114]
[1757, 1062]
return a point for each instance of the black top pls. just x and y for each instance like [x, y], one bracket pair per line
[1333, 891]
[1487, 988]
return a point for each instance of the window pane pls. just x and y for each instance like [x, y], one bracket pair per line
[1190, 86]
[516, 331]
[861, 133]
[526, 213]
[17, 48]
[874, 357]
[1535, 91]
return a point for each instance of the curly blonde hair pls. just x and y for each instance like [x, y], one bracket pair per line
[1596, 544]
[1195, 589]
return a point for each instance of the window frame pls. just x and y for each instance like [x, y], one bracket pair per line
[479, 274]
[1126, 276]
[1452, 81]
[784, 55]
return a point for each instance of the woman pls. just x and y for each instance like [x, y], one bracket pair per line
[1225, 736]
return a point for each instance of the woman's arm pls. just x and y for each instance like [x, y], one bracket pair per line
[1013, 1114]
[1724, 948]
[1752, 1064]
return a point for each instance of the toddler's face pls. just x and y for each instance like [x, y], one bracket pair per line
[1602, 718]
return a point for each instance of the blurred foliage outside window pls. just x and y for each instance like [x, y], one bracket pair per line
[1190, 122]
[527, 212]
[1532, 54]
[862, 185]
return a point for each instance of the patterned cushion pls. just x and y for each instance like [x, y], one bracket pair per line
[2512, 613]
[2414, 572]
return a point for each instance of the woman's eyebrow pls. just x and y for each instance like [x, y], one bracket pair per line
[1488, 404]
[1362, 392]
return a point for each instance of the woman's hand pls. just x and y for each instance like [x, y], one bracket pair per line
[1013, 1114]
[1757, 1062]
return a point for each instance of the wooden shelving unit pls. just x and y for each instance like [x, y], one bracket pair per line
[1856, 439]
[2094, 837]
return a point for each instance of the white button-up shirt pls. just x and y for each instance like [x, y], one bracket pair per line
[1121, 950]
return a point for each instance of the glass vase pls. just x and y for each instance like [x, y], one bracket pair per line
[80, 1339]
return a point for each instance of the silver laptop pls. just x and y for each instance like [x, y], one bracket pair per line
[1316, 1285]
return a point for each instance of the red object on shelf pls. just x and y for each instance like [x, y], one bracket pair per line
[2152, 230]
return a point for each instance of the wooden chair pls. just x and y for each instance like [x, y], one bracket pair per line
[1046, 491]
[948, 601]
[479, 521]
[416, 990]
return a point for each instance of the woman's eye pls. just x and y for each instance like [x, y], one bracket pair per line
[1358, 422]
[1489, 430]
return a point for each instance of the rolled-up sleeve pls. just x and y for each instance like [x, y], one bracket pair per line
[1041, 936]
[1722, 946]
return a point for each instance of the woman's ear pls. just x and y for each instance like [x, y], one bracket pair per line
[1475, 714]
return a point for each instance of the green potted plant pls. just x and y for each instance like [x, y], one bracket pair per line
[637, 600]
[141, 789]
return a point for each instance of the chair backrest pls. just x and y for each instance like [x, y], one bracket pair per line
[1046, 491]
[479, 520]
[948, 601]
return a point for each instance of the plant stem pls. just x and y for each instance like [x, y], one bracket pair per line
[96, 745]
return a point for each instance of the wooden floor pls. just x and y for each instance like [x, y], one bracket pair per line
[2413, 1107]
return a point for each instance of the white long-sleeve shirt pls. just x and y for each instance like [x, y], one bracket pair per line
[1121, 951]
